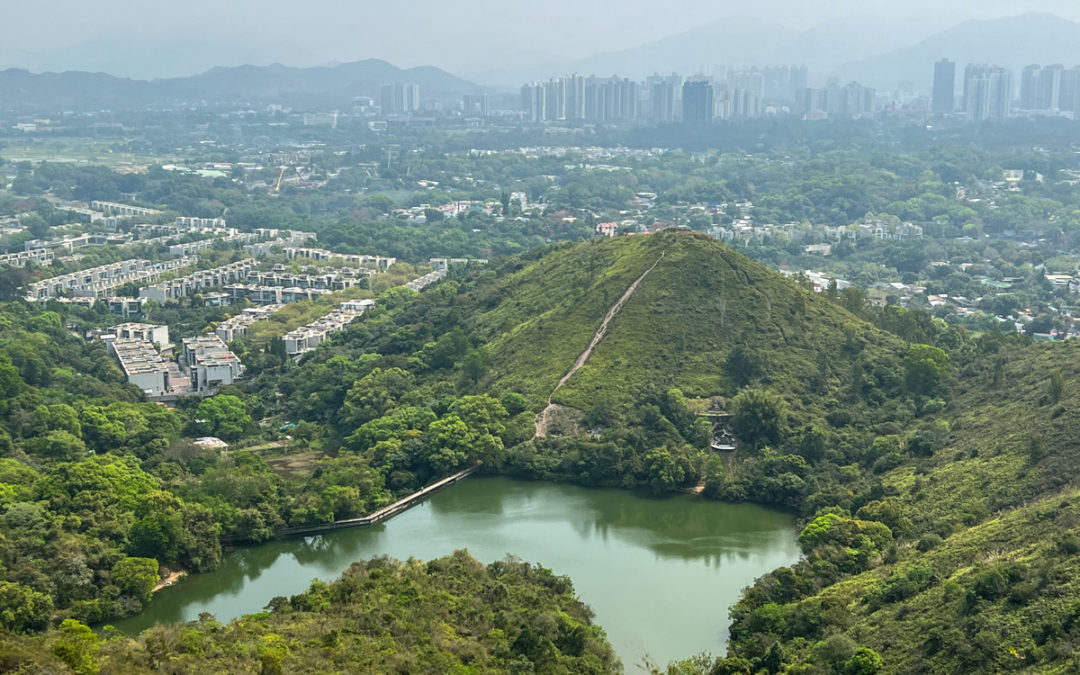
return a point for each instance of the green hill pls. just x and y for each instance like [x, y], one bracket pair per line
[982, 577]
[678, 330]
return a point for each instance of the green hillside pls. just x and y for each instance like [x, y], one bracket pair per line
[678, 330]
[982, 577]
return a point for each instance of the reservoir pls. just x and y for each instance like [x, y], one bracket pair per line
[660, 574]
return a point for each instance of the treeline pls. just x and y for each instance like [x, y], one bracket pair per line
[451, 614]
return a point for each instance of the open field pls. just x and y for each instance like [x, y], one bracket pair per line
[75, 150]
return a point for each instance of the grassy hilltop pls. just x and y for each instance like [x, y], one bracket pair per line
[678, 330]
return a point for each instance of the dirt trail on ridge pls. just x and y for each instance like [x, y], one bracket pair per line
[543, 420]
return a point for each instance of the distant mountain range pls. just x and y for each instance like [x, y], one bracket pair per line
[734, 42]
[857, 48]
[320, 86]
[1012, 41]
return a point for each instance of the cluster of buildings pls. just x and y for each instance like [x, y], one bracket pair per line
[73, 241]
[236, 327]
[42, 257]
[747, 93]
[243, 280]
[423, 213]
[420, 283]
[377, 262]
[208, 362]
[137, 347]
[186, 286]
[988, 92]
[818, 237]
[271, 238]
[102, 281]
[309, 337]
[1050, 88]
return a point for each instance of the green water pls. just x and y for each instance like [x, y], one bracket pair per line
[660, 574]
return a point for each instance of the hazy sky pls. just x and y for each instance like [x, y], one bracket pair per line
[132, 37]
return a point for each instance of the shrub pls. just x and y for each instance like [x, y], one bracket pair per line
[929, 541]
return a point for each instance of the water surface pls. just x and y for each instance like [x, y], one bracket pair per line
[660, 574]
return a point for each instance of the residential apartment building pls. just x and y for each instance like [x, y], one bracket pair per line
[312, 335]
[39, 256]
[103, 280]
[376, 261]
[236, 327]
[191, 222]
[272, 295]
[420, 283]
[187, 286]
[446, 263]
[146, 332]
[210, 363]
[142, 364]
[117, 209]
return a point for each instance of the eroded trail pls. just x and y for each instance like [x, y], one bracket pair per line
[543, 420]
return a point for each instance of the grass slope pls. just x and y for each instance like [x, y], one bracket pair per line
[677, 330]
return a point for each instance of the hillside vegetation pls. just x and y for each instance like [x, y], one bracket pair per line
[451, 614]
[981, 574]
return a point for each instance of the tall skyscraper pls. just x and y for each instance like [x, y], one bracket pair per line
[475, 104]
[575, 97]
[399, 98]
[662, 97]
[1029, 87]
[799, 77]
[987, 92]
[698, 103]
[555, 99]
[944, 86]
[1069, 98]
[1049, 90]
[534, 102]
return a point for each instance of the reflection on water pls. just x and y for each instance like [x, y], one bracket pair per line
[659, 573]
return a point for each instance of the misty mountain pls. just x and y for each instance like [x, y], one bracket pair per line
[735, 42]
[305, 87]
[144, 57]
[1014, 42]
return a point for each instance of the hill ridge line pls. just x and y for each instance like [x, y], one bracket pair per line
[542, 420]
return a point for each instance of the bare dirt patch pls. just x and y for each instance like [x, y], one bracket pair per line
[296, 465]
